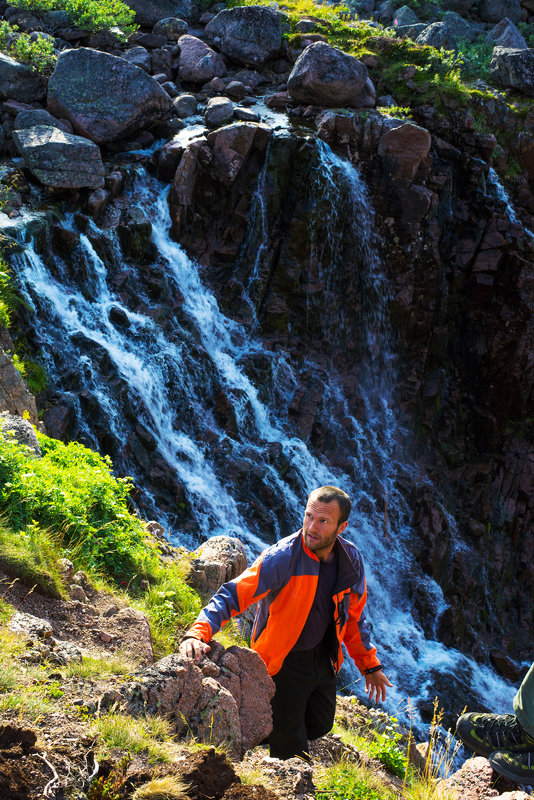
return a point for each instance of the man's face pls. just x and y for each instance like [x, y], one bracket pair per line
[320, 526]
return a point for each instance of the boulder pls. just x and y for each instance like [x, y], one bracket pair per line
[405, 16]
[149, 12]
[224, 700]
[325, 76]
[30, 625]
[35, 116]
[462, 7]
[198, 62]
[19, 82]
[139, 57]
[216, 561]
[473, 781]
[14, 395]
[172, 28]
[103, 96]
[495, 10]
[405, 146]
[514, 69]
[59, 159]
[219, 111]
[506, 34]
[185, 105]
[20, 429]
[248, 35]
[448, 33]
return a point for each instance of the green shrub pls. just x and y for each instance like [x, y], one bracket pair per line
[475, 57]
[71, 491]
[171, 605]
[38, 54]
[32, 373]
[91, 15]
[9, 299]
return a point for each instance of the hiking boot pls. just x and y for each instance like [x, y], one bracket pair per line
[486, 733]
[517, 767]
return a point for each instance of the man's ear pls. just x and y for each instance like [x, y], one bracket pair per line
[343, 526]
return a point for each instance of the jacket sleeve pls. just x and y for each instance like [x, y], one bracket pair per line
[267, 573]
[357, 637]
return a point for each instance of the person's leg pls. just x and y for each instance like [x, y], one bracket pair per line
[524, 702]
[294, 684]
[321, 706]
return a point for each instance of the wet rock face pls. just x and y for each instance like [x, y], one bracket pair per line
[458, 270]
[104, 97]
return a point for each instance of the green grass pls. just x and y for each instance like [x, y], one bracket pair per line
[33, 556]
[151, 735]
[97, 667]
[90, 15]
[344, 780]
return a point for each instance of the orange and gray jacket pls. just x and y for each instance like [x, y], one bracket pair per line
[283, 581]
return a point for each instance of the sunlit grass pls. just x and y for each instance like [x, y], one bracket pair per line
[151, 735]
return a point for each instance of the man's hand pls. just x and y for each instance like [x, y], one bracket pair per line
[193, 648]
[375, 686]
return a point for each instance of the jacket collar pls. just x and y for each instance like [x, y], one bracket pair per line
[348, 572]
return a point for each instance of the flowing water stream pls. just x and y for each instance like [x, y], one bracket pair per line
[159, 370]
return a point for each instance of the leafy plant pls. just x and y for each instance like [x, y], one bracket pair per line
[33, 374]
[38, 53]
[90, 15]
[172, 606]
[385, 745]
[475, 57]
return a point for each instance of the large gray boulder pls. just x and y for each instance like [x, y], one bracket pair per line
[103, 96]
[495, 10]
[506, 34]
[60, 159]
[325, 76]
[18, 82]
[198, 62]
[149, 12]
[448, 33]
[514, 69]
[223, 700]
[248, 35]
[217, 560]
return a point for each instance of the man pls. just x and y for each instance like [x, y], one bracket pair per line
[311, 591]
[506, 739]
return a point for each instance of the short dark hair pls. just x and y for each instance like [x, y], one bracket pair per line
[327, 494]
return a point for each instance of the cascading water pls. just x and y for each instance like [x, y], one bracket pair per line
[127, 363]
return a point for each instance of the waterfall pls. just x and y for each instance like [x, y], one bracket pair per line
[502, 194]
[132, 363]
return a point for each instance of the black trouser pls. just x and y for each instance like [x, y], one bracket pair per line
[304, 704]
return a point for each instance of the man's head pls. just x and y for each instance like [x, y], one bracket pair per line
[325, 517]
